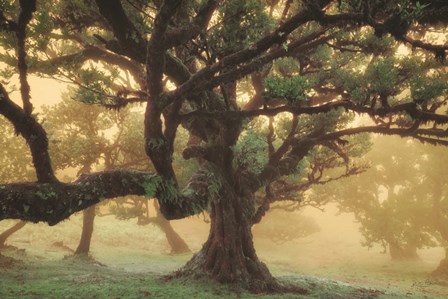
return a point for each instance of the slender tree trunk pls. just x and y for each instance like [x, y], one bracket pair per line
[87, 231]
[177, 244]
[7, 233]
[175, 241]
[403, 252]
[229, 255]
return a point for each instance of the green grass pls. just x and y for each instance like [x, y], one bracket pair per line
[136, 257]
[74, 278]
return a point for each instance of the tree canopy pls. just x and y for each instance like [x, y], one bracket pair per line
[266, 90]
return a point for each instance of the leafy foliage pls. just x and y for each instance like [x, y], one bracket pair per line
[243, 21]
[294, 89]
[397, 202]
[250, 153]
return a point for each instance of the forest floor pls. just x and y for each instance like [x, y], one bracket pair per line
[130, 261]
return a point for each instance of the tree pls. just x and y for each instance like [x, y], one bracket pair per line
[385, 200]
[15, 166]
[214, 68]
[404, 207]
[433, 191]
[86, 137]
[283, 226]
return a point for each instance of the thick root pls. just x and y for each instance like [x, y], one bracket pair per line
[254, 277]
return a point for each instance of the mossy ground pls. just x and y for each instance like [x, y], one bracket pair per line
[77, 278]
[131, 261]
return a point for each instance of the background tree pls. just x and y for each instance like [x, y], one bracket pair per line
[432, 190]
[195, 58]
[403, 208]
[15, 166]
[282, 226]
[77, 139]
[88, 137]
[385, 200]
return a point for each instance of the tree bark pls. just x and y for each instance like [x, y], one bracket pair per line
[55, 202]
[87, 231]
[228, 255]
[7, 233]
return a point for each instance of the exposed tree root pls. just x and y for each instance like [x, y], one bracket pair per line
[256, 278]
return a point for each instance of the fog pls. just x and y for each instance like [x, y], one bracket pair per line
[335, 252]
[332, 250]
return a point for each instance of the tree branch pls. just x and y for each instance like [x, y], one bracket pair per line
[205, 79]
[27, 7]
[92, 53]
[131, 42]
[32, 132]
[410, 108]
[7, 25]
[135, 48]
[181, 35]
[157, 147]
[54, 202]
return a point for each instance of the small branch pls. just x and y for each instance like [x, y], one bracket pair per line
[438, 50]
[206, 79]
[409, 108]
[27, 7]
[96, 54]
[7, 25]
[343, 49]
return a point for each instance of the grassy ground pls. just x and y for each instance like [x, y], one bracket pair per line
[131, 262]
[39, 277]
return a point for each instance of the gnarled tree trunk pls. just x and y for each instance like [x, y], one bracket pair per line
[229, 255]
[7, 233]
[87, 231]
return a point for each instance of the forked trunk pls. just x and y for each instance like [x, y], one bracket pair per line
[7, 233]
[87, 231]
[228, 255]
